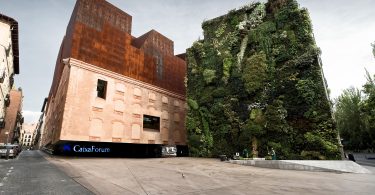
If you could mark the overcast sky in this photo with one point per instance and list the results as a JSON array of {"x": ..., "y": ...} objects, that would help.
[{"x": 344, "y": 30}]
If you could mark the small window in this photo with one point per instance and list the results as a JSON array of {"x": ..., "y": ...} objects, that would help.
[
  {"x": 101, "y": 89},
  {"x": 151, "y": 122}
]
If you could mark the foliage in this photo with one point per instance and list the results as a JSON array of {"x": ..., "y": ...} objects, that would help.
[
  {"x": 254, "y": 73},
  {"x": 209, "y": 75},
  {"x": 368, "y": 110},
  {"x": 348, "y": 117},
  {"x": 355, "y": 116},
  {"x": 255, "y": 82}
]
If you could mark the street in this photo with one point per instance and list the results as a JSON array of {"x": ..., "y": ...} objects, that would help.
[
  {"x": 35, "y": 172},
  {"x": 31, "y": 173},
  {"x": 362, "y": 159}
]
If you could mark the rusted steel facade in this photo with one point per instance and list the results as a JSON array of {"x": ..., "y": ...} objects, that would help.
[{"x": 99, "y": 33}]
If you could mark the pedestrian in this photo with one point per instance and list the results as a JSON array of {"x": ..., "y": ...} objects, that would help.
[
  {"x": 245, "y": 153},
  {"x": 7, "y": 153},
  {"x": 273, "y": 154},
  {"x": 351, "y": 157}
]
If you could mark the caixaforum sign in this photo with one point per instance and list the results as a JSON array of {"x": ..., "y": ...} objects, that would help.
[
  {"x": 78, "y": 148},
  {"x": 85, "y": 149},
  {"x": 104, "y": 149}
]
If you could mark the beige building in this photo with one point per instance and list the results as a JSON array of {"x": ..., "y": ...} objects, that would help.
[
  {"x": 121, "y": 115},
  {"x": 39, "y": 134},
  {"x": 27, "y": 134},
  {"x": 9, "y": 62}
]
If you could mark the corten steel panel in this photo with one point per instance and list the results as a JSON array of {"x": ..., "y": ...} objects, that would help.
[
  {"x": 153, "y": 42},
  {"x": 94, "y": 13},
  {"x": 99, "y": 34}
]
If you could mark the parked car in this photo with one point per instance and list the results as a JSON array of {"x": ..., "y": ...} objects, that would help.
[
  {"x": 13, "y": 151},
  {"x": 18, "y": 149}
]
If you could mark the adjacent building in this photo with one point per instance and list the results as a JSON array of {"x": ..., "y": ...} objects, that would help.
[
  {"x": 113, "y": 90},
  {"x": 27, "y": 135},
  {"x": 9, "y": 62},
  {"x": 40, "y": 135},
  {"x": 13, "y": 119}
]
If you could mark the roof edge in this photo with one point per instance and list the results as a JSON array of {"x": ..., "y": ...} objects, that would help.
[{"x": 15, "y": 45}]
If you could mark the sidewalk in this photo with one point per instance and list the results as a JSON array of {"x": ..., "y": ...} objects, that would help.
[{"x": 31, "y": 173}]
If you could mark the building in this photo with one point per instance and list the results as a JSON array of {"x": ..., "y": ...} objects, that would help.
[
  {"x": 27, "y": 135},
  {"x": 13, "y": 119},
  {"x": 9, "y": 62},
  {"x": 110, "y": 87},
  {"x": 40, "y": 134}
]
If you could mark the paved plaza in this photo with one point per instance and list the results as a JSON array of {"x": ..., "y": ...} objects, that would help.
[
  {"x": 35, "y": 172},
  {"x": 204, "y": 176}
]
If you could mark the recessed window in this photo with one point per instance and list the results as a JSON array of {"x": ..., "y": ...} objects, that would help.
[
  {"x": 101, "y": 88},
  {"x": 151, "y": 122}
]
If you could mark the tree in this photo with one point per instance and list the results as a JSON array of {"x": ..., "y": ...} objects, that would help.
[
  {"x": 368, "y": 109},
  {"x": 348, "y": 117}
]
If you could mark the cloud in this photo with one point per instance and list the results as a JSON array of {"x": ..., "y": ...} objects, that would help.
[{"x": 31, "y": 116}]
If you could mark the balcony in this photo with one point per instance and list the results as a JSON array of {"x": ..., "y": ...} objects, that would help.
[
  {"x": 2, "y": 123},
  {"x": 7, "y": 100}
]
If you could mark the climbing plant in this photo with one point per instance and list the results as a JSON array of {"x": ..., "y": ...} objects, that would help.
[{"x": 255, "y": 82}]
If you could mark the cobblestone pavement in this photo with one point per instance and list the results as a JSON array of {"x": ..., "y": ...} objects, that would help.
[
  {"x": 31, "y": 173},
  {"x": 203, "y": 176}
]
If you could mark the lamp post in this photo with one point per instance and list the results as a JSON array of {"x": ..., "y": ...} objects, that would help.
[
  {"x": 6, "y": 143},
  {"x": 7, "y": 133}
]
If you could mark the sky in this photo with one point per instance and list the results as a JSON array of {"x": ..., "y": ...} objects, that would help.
[{"x": 343, "y": 29}]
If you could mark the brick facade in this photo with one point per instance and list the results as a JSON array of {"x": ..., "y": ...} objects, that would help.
[{"x": 13, "y": 118}]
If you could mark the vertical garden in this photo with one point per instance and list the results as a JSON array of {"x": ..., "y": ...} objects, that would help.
[{"x": 255, "y": 82}]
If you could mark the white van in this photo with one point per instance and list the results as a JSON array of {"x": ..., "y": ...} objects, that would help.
[{"x": 168, "y": 151}]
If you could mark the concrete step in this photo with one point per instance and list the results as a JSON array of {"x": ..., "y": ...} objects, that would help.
[{"x": 340, "y": 166}]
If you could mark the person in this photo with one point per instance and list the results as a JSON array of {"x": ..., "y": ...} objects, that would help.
[
  {"x": 351, "y": 157},
  {"x": 273, "y": 154},
  {"x": 245, "y": 153},
  {"x": 7, "y": 153}
]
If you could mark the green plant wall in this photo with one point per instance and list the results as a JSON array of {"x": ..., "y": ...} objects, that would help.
[{"x": 255, "y": 82}]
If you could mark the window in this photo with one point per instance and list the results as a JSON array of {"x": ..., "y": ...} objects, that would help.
[
  {"x": 151, "y": 122},
  {"x": 101, "y": 89},
  {"x": 29, "y": 136}
]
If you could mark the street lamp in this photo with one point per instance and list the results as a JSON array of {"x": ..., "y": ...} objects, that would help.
[
  {"x": 7, "y": 133},
  {"x": 7, "y": 152}
]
